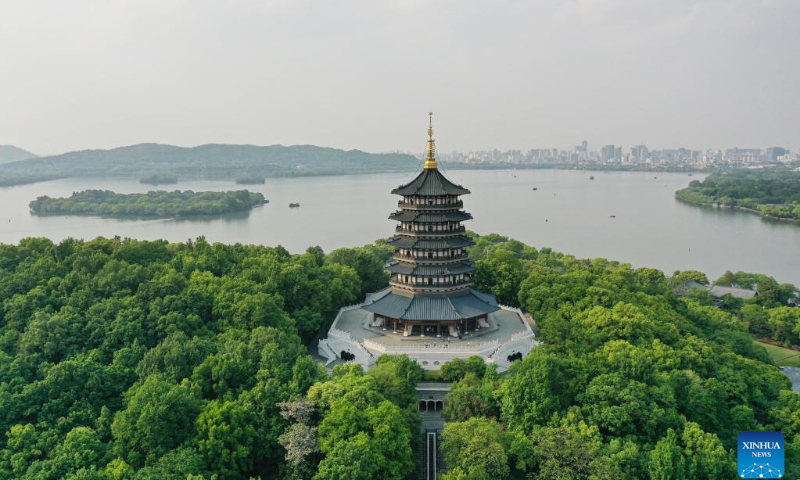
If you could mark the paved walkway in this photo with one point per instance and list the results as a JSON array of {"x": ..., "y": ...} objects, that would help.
[
  {"x": 431, "y": 420},
  {"x": 794, "y": 375}
]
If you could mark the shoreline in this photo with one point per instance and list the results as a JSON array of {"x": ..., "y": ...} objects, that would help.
[
  {"x": 447, "y": 166},
  {"x": 737, "y": 207}
]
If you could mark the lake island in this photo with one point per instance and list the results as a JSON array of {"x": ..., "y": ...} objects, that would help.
[{"x": 159, "y": 204}]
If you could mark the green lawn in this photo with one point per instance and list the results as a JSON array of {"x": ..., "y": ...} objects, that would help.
[{"x": 782, "y": 356}]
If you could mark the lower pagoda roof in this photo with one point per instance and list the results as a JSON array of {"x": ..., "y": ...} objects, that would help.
[
  {"x": 415, "y": 242},
  {"x": 407, "y": 268},
  {"x": 395, "y": 304}
]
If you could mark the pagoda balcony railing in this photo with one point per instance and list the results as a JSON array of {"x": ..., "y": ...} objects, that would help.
[
  {"x": 432, "y": 233},
  {"x": 424, "y": 206},
  {"x": 433, "y": 346},
  {"x": 421, "y": 259},
  {"x": 436, "y": 287}
]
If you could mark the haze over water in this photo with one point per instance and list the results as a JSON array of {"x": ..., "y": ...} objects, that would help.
[{"x": 568, "y": 212}]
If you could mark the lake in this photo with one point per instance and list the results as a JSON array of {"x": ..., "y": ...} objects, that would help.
[{"x": 568, "y": 212}]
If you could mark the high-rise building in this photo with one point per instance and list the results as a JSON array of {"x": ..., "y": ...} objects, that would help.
[
  {"x": 607, "y": 153},
  {"x": 773, "y": 153}
]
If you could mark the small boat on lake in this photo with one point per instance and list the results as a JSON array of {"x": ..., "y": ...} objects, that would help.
[
  {"x": 591, "y": 178},
  {"x": 534, "y": 189},
  {"x": 294, "y": 205},
  {"x": 613, "y": 216}
]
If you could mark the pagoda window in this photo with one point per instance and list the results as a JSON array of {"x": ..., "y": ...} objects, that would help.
[
  {"x": 430, "y": 202},
  {"x": 430, "y": 281}
]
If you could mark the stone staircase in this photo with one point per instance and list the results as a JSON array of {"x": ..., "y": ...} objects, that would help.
[{"x": 324, "y": 349}]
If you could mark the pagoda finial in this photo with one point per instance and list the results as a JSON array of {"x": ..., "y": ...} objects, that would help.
[{"x": 430, "y": 151}]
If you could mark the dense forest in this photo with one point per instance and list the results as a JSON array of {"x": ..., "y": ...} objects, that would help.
[
  {"x": 133, "y": 360},
  {"x": 147, "y": 360},
  {"x": 774, "y": 193},
  {"x": 221, "y": 162},
  {"x": 631, "y": 381},
  {"x": 151, "y": 204}
]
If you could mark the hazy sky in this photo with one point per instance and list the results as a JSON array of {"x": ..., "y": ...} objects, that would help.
[{"x": 363, "y": 74}]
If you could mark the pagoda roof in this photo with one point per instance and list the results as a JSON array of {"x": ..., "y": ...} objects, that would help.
[
  {"x": 430, "y": 182},
  {"x": 407, "y": 268},
  {"x": 394, "y": 304},
  {"x": 416, "y": 242},
  {"x": 412, "y": 216}
]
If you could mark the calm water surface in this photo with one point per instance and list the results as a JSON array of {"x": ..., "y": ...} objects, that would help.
[{"x": 568, "y": 212}]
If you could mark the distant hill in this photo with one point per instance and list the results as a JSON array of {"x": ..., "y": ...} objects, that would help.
[
  {"x": 223, "y": 162},
  {"x": 10, "y": 153}
]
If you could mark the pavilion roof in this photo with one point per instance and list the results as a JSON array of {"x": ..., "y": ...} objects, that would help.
[
  {"x": 394, "y": 304},
  {"x": 414, "y": 242},
  {"x": 430, "y": 182},
  {"x": 408, "y": 268}
]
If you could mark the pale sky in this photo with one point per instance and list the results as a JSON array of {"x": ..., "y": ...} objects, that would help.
[{"x": 363, "y": 74}]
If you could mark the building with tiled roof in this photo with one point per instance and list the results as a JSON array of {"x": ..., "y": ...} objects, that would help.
[{"x": 430, "y": 301}]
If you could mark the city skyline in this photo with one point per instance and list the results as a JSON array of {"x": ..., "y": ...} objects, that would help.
[{"x": 363, "y": 75}]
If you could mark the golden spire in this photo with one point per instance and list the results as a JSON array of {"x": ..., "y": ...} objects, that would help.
[{"x": 430, "y": 151}]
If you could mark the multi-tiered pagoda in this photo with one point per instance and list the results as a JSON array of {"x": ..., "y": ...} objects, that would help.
[{"x": 430, "y": 290}]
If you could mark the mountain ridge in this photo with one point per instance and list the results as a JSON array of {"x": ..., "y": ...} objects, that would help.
[
  {"x": 11, "y": 153},
  {"x": 210, "y": 161}
]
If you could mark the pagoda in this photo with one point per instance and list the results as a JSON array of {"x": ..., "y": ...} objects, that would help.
[{"x": 430, "y": 292}]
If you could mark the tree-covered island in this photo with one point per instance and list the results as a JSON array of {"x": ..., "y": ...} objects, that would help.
[
  {"x": 251, "y": 181},
  {"x": 159, "y": 180},
  {"x": 773, "y": 193},
  {"x": 160, "y": 204},
  {"x": 148, "y": 360}
]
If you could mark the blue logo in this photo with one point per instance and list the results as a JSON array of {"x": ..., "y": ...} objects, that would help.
[{"x": 761, "y": 455}]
